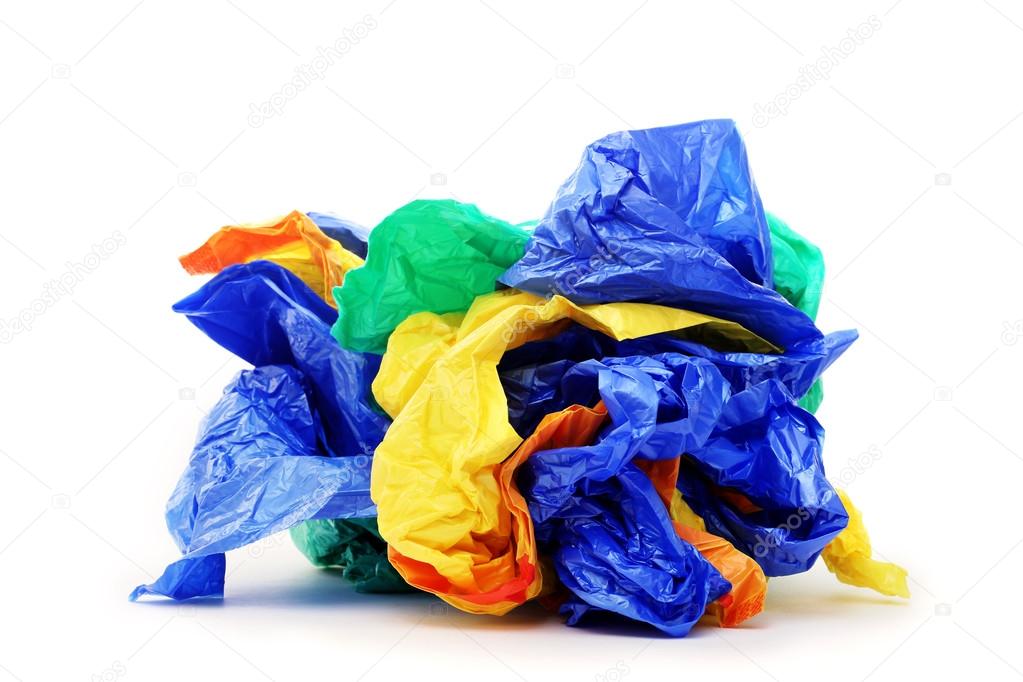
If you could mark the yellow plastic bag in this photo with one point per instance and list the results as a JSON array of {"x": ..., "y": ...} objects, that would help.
[
  {"x": 434, "y": 476},
  {"x": 848, "y": 557}
]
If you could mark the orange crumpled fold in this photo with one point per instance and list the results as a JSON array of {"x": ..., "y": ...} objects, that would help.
[{"x": 294, "y": 242}]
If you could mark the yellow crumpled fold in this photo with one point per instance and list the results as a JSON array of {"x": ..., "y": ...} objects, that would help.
[
  {"x": 848, "y": 556},
  {"x": 433, "y": 477}
]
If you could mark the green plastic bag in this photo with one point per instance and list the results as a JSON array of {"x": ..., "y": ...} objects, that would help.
[
  {"x": 354, "y": 546},
  {"x": 432, "y": 256},
  {"x": 799, "y": 277}
]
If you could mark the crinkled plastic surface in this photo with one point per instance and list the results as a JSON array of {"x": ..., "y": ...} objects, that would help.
[
  {"x": 749, "y": 584},
  {"x": 798, "y": 267},
  {"x": 574, "y": 425},
  {"x": 531, "y": 374},
  {"x": 434, "y": 474},
  {"x": 754, "y": 444},
  {"x": 355, "y": 547},
  {"x": 351, "y": 236},
  {"x": 293, "y": 242},
  {"x": 667, "y": 215},
  {"x": 759, "y": 481},
  {"x": 434, "y": 256},
  {"x": 265, "y": 315},
  {"x": 799, "y": 277},
  {"x": 256, "y": 469},
  {"x": 848, "y": 556},
  {"x": 290, "y": 440}
]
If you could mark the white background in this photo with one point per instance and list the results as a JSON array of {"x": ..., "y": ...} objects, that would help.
[{"x": 135, "y": 119}]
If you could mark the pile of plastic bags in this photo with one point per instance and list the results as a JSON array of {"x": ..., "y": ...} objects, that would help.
[{"x": 609, "y": 410}]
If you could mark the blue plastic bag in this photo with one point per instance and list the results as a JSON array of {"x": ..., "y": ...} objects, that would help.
[
  {"x": 264, "y": 314},
  {"x": 256, "y": 469},
  {"x": 751, "y": 458},
  {"x": 532, "y": 373},
  {"x": 609, "y": 534},
  {"x": 667, "y": 215},
  {"x": 290, "y": 440}
]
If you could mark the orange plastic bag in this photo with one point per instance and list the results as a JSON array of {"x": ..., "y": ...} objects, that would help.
[{"x": 294, "y": 242}]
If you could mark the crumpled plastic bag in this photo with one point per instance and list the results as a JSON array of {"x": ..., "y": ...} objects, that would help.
[
  {"x": 434, "y": 473},
  {"x": 666, "y": 468},
  {"x": 256, "y": 469},
  {"x": 531, "y": 373},
  {"x": 355, "y": 547},
  {"x": 755, "y": 445},
  {"x": 293, "y": 242},
  {"x": 667, "y": 215},
  {"x": 848, "y": 556},
  {"x": 798, "y": 267},
  {"x": 799, "y": 277},
  {"x": 429, "y": 255},
  {"x": 265, "y": 315},
  {"x": 291, "y": 440}
]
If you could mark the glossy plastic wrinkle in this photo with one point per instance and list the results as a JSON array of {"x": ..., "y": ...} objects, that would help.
[
  {"x": 265, "y": 315},
  {"x": 531, "y": 374},
  {"x": 435, "y": 473},
  {"x": 434, "y": 256},
  {"x": 256, "y": 469},
  {"x": 294, "y": 242},
  {"x": 669, "y": 216}
]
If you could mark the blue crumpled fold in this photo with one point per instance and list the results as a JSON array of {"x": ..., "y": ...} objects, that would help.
[
  {"x": 352, "y": 236},
  {"x": 767, "y": 449},
  {"x": 531, "y": 374},
  {"x": 289, "y": 441},
  {"x": 265, "y": 315},
  {"x": 256, "y": 469},
  {"x": 666, "y": 215},
  {"x": 751, "y": 442},
  {"x": 607, "y": 531}
]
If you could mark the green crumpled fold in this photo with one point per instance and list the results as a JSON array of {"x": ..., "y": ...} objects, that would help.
[
  {"x": 429, "y": 255},
  {"x": 354, "y": 546},
  {"x": 799, "y": 277}
]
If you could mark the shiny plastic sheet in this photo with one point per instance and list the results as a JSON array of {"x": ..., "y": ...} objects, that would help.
[
  {"x": 848, "y": 556},
  {"x": 799, "y": 277},
  {"x": 532, "y": 373},
  {"x": 265, "y": 315},
  {"x": 434, "y": 256},
  {"x": 742, "y": 430},
  {"x": 293, "y": 242},
  {"x": 256, "y": 469},
  {"x": 798, "y": 267},
  {"x": 759, "y": 481},
  {"x": 667, "y": 215},
  {"x": 608, "y": 529}
]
